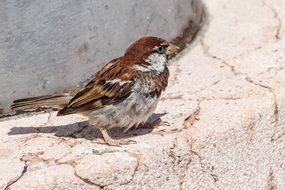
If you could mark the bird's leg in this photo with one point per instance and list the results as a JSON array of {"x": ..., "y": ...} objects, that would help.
[
  {"x": 51, "y": 116},
  {"x": 113, "y": 142}
]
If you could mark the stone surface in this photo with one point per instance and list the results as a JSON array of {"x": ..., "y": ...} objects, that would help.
[
  {"x": 222, "y": 119},
  {"x": 50, "y": 46}
]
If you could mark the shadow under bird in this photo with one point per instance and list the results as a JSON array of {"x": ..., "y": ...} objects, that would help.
[{"x": 123, "y": 94}]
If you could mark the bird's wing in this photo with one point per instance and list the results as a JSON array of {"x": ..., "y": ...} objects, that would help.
[{"x": 111, "y": 85}]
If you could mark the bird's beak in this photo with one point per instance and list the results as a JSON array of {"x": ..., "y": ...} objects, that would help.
[{"x": 171, "y": 49}]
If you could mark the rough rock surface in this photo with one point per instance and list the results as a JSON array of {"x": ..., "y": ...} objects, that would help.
[{"x": 222, "y": 120}]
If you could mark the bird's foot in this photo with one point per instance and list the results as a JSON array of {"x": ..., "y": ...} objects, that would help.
[{"x": 112, "y": 142}]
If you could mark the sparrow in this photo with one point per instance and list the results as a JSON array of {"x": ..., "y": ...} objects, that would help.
[{"x": 124, "y": 93}]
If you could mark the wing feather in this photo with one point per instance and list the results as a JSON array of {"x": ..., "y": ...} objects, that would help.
[{"x": 109, "y": 86}]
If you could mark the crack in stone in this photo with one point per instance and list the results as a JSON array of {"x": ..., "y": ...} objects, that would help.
[
  {"x": 204, "y": 169},
  {"x": 275, "y": 16},
  {"x": 206, "y": 49},
  {"x": 183, "y": 176},
  {"x": 249, "y": 80},
  {"x": 136, "y": 168},
  {"x": 271, "y": 181},
  {"x": 84, "y": 180},
  {"x": 25, "y": 169},
  {"x": 275, "y": 104},
  {"x": 87, "y": 181},
  {"x": 134, "y": 155},
  {"x": 14, "y": 181},
  {"x": 31, "y": 158},
  {"x": 137, "y": 156},
  {"x": 214, "y": 177}
]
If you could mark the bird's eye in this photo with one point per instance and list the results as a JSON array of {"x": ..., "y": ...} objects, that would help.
[{"x": 160, "y": 49}]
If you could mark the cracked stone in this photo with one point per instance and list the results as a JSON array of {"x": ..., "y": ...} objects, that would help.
[
  {"x": 54, "y": 177},
  {"x": 11, "y": 169},
  {"x": 45, "y": 148},
  {"x": 229, "y": 85},
  {"x": 107, "y": 169}
]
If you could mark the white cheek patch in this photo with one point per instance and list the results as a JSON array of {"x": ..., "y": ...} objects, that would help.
[{"x": 157, "y": 63}]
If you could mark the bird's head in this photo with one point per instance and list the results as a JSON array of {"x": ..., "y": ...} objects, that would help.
[{"x": 149, "y": 54}]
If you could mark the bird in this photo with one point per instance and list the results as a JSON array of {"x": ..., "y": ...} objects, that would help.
[{"x": 123, "y": 94}]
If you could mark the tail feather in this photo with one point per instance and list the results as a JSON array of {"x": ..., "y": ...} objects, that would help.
[{"x": 48, "y": 101}]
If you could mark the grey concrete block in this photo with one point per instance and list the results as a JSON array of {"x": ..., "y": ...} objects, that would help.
[{"x": 50, "y": 46}]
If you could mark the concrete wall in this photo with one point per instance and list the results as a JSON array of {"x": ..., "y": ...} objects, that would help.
[{"x": 49, "y": 46}]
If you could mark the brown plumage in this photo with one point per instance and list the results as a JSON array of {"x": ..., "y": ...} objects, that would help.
[
  {"x": 98, "y": 92},
  {"x": 124, "y": 92}
]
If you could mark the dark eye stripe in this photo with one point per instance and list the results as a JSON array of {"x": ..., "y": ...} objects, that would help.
[{"x": 161, "y": 48}]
